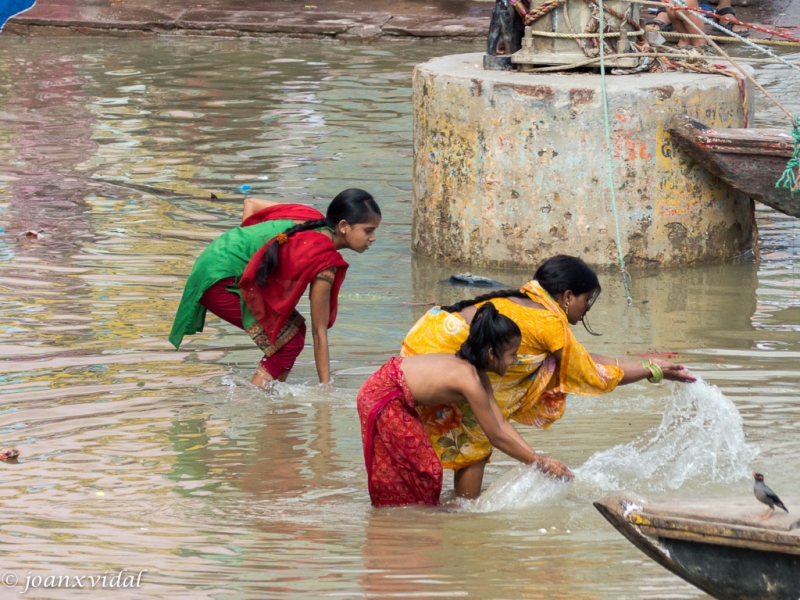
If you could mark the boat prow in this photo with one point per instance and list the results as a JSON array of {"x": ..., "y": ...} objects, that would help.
[
  {"x": 749, "y": 160},
  {"x": 720, "y": 545}
]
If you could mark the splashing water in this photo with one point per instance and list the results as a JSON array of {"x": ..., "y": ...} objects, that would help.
[
  {"x": 700, "y": 440},
  {"x": 520, "y": 487}
]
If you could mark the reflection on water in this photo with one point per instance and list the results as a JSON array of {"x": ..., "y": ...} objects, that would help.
[{"x": 138, "y": 457}]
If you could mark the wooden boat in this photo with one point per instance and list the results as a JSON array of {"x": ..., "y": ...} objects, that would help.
[
  {"x": 749, "y": 160},
  {"x": 720, "y": 545}
]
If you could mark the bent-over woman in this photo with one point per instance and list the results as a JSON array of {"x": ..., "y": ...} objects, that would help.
[
  {"x": 254, "y": 275},
  {"x": 550, "y": 365},
  {"x": 402, "y": 465}
]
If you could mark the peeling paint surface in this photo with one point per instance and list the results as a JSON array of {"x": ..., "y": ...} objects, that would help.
[{"x": 510, "y": 168}]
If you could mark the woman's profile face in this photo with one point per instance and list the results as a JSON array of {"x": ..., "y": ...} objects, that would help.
[{"x": 578, "y": 306}]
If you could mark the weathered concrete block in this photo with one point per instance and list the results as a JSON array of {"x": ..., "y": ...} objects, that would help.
[{"x": 511, "y": 168}]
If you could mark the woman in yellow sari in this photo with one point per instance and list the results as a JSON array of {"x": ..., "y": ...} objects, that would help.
[{"x": 551, "y": 363}]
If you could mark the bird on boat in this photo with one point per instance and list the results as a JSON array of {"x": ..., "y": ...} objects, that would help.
[{"x": 766, "y": 496}]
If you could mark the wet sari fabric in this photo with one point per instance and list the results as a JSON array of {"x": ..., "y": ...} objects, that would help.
[
  {"x": 402, "y": 466},
  {"x": 532, "y": 392}
]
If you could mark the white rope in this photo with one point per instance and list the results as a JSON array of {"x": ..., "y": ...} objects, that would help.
[{"x": 731, "y": 33}]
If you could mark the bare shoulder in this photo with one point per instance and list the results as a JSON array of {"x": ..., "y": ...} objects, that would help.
[
  {"x": 439, "y": 378},
  {"x": 464, "y": 376}
]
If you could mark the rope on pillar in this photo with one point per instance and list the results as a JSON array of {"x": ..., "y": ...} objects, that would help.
[{"x": 610, "y": 157}]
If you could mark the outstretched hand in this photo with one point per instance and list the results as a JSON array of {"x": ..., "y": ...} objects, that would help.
[
  {"x": 675, "y": 372},
  {"x": 553, "y": 468}
]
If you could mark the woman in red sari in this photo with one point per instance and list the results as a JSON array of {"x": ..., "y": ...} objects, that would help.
[
  {"x": 254, "y": 275},
  {"x": 402, "y": 466}
]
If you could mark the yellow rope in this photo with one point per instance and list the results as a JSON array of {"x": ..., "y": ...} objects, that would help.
[
  {"x": 683, "y": 55},
  {"x": 722, "y": 38},
  {"x": 613, "y": 34}
]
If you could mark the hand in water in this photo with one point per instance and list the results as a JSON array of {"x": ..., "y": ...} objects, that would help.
[
  {"x": 327, "y": 386},
  {"x": 553, "y": 468},
  {"x": 675, "y": 372}
]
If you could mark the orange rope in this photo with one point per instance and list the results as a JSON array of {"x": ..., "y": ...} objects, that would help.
[
  {"x": 730, "y": 19},
  {"x": 541, "y": 10}
]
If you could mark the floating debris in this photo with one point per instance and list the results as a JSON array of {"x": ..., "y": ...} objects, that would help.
[
  {"x": 9, "y": 453},
  {"x": 473, "y": 280}
]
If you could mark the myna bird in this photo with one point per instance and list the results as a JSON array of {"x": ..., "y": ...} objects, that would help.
[{"x": 766, "y": 496}]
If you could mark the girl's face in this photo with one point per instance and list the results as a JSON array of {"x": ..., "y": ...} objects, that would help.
[
  {"x": 359, "y": 237},
  {"x": 500, "y": 364}
]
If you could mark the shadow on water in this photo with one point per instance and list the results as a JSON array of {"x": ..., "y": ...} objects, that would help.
[{"x": 139, "y": 457}]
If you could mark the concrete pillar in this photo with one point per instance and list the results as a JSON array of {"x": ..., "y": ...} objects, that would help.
[{"x": 511, "y": 168}]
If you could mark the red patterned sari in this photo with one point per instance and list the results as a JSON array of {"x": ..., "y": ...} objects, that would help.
[{"x": 402, "y": 466}]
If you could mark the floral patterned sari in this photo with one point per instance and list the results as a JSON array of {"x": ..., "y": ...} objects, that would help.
[{"x": 532, "y": 392}]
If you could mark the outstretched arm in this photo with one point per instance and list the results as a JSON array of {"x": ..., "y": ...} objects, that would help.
[
  {"x": 634, "y": 371},
  {"x": 502, "y": 434},
  {"x": 320, "y": 297}
]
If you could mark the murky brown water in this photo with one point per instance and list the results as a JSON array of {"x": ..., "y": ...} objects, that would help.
[{"x": 138, "y": 457}]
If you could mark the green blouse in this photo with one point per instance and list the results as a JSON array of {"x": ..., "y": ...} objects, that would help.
[{"x": 226, "y": 256}]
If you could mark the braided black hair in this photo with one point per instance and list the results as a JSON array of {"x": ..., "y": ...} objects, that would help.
[
  {"x": 556, "y": 275},
  {"x": 489, "y": 330},
  {"x": 352, "y": 205},
  {"x": 459, "y": 306}
]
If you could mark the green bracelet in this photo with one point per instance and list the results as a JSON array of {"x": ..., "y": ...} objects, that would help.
[{"x": 655, "y": 371}]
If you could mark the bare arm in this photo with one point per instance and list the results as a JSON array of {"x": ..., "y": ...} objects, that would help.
[
  {"x": 502, "y": 434},
  {"x": 634, "y": 371},
  {"x": 253, "y": 205},
  {"x": 498, "y": 414},
  {"x": 320, "y": 297}
]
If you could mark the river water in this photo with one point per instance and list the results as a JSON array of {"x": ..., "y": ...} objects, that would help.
[{"x": 170, "y": 465}]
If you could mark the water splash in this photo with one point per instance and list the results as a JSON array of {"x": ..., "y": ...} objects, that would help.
[
  {"x": 700, "y": 440},
  {"x": 520, "y": 487}
]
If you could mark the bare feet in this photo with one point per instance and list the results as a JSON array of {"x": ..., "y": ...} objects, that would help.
[{"x": 262, "y": 378}]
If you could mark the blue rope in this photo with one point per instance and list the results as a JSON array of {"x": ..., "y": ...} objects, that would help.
[{"x": 610, "y": 156}]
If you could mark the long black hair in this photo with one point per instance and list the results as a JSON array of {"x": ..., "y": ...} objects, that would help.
[
  {"x": 352, "y": 205},
  {"x": 561, "y": 273},
  {"x": 556, "y": 275},
  {"x": 489, "y": 330}
]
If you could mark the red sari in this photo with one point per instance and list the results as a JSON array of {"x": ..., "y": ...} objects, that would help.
[
  {"x": 402, "y": 466},
  {"x": 300, "y": 259},
  {"x": 295, "y": 212}
]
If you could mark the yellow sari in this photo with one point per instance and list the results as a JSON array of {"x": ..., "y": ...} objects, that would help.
[{"x": 533, "y": 391}]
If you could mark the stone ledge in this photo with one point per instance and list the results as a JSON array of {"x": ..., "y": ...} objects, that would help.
[{"x": 238, "y": 20}]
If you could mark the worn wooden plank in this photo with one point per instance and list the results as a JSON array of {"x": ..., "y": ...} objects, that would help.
[
  {"x": 749, "y": 160},
  {"x": 716, "y": 544}
]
